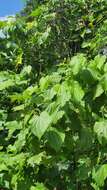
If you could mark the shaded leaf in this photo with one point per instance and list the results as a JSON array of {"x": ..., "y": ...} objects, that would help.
[{"x": 55, "y": 138}]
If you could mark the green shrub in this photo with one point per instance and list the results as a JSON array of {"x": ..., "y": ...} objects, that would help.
[{"x": 53, "y": 97}]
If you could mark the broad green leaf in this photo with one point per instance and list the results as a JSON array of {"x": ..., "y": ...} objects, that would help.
[
  {"x": 86, "y": 139},
  {"x": 50, "y": 94},
  {"x": 16, "y": 97},
  {"x": 100, "y": 175},
  {"x": 99, "y": 61},
  {"x": 39, "y": 124},
  {"x": 3, "y": 167},
  {"x": 77, "y": 62},
  {"x": 76, "y": 91},
  {"x": 6, "y": 84},
  {"x": 57, "y": 115},
  {"x": 4, "y": 76},
  {"x": 29, "y": 91},
  {"x": 94, "y": 74},
  {"x": 55, "y": 138},
  {"x": 88, "y": 76},
  {"x": 86, "y": 44},
  {"x": 95, "y": 186},
  {"x": 18, "y": 108},
  {"x": 105, "y": 67},
  {"x": 98, "y": 91},
  {"x": 104, "y": 82},
  {"x": 39, "y": 186},
  {"x": 44, "y": 83},
  {"x": 64, "y": 94},
  {"x": 100, "y": 128},
  {"x": 36, "y": 159}
]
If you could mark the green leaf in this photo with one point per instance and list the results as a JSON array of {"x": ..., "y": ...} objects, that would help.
[
  {"x": 18, "y": 108},
  {"x": 6, "y": 84},
  {"x": 95, "y": 186},
  {"x": 3, "y": 167},
  {"x": 86, "y": 44},
  {"x": 100, "y": 175},
  {"x": 64, "y": 94},
  {"x": 13, "y": 126},
  {"x": 39, "y": 124},
  {"x": 57, "y": 115},
  {"x": 20, "y": 142},
  {"x": 77, "y": 91},
  {"x": 88, "y": 76},
  {"x": 55, "y": 138},
  {"x": 84, "y": 168},
  {"x": 86, "y": 139},
  {"x": 104, "y": 82},
  {"x": 44, "y": 83},
  {"x": 16, "y": 161},
  {"x": 38, "y": 11},
  {"x": 77, "y": 62},
  {"x": 26, "y": 70},
  {"x": 99, "y": 61},
  {"x": 98, "y": 91},
  {"x": 36, "y": 159},
  {"x": 43, "y": 37},
  {"x": 100, "y": 128},
  {"x": 39, "y": 186}
]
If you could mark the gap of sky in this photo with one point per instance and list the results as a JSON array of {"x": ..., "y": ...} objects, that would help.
[{"x": 10, "y": 7}]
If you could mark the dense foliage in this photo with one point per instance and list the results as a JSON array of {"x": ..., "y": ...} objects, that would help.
[{"x": 53, "y": 96}]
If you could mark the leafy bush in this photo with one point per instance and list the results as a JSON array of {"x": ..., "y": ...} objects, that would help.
[{"x": 53, "y": 97}]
